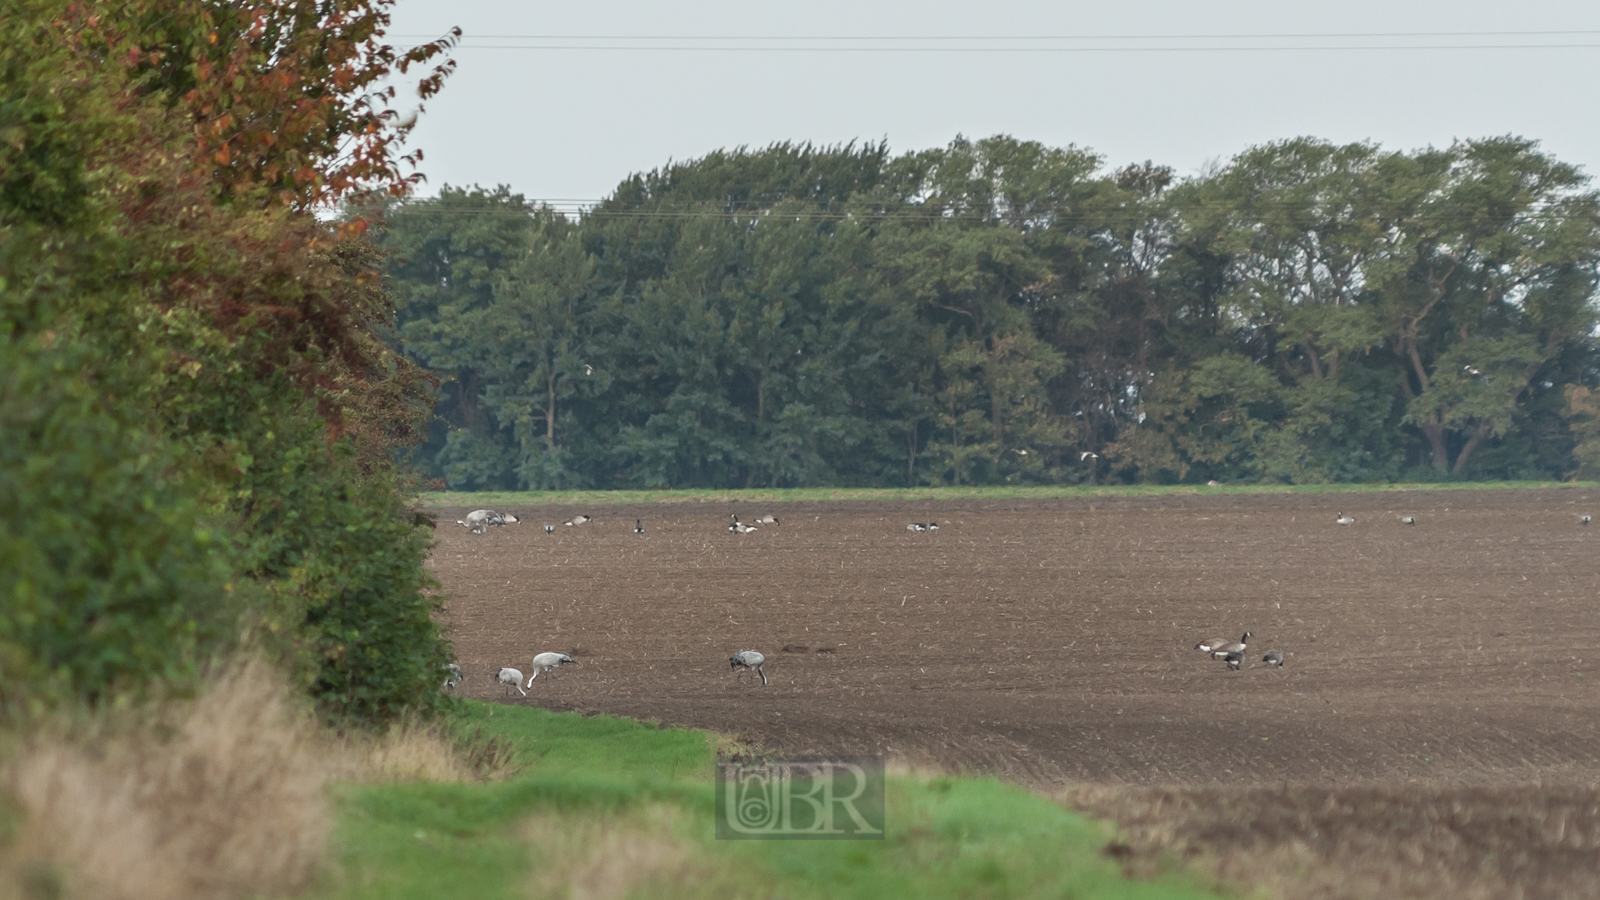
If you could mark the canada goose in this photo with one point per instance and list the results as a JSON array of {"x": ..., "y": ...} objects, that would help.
[
  {"x": 579, "y": 520},
  {"x": 1408, "y": 520},
  {"x": 638, "y": 526},
  {"x": 1273, "y": 658},
  {"x": 742, "y": 528},
  {"x": 1345, "y": 520},
  {"x": 1583, "y": 519},
  {"x": 1234, "y": 659},
  {"x": 767, "y": 520},
  {"x": 549, "y": 529},
  {"x": 1209, "y": 644},
  {"x": 1221, "y": 651}
]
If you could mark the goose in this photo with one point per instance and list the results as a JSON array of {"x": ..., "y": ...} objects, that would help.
[
  {"x": 923, "y": 526},
  {"x": 1221, "y": 651},
  {"x": 1234, "y": 660},
  {"x": 767, "y": 520},
  {"x": 452, "y": 676},
  {"x": 503, "y": 519},
  {"x": 579, "y": 520},
  {"x": 638, "y": 526},
  {"x": 511, "y": 678},
  {"x": 1345, "y": 520},
  {"x": 548, "y": 662},
  {"x": 1583, "y": 519},
  {"x": 747, "y": 659},
  {"x": 742, "y": 528},
  {"x": 1273, "y": 658},
  {"x": 1209, "y": 644},
  {"x": 1408, "y": 520},
  {"x": 478, "y": 521},
  {"x": 549, "y": 528}
]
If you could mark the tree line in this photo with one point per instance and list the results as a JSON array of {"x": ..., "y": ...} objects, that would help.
[{"x": 1000, "y": 311}]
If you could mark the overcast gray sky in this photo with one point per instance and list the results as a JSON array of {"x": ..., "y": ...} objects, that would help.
[{"x": 571, "y": 123}]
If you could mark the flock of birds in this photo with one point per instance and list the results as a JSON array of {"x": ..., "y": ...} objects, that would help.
[{"x": 1232, "y": 653}]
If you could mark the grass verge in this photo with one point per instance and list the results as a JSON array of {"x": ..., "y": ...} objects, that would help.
[
  {"x": 612, "y": 808},
  {"x": 438, "y": 499}
]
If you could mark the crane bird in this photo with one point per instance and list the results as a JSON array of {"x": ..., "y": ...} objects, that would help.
[
  {"x": 747, "y": 659},
  {"x": 511, "y": 678},
  {"x": 579, "y": 520},
  {"x": 479, "y": 520},
  {"x": 548, "y": 662},
  {"x": 1221, "y": 651},
  {"x": 452, "y": 676},
  {"x": 1345, "y": 520}
]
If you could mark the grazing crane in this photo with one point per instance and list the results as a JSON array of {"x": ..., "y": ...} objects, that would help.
[
  {"x": 747, "y": 659},
  {"x": 1274, "y": 658},
  {"x": 1221, "y": 651},
  {"x": 638, "y": 526},
  {"x": 1408, "y": 520},
  {"x": 1345, "y": 520},
  {"x": 478, "y": 521},
  {"x": 549, "y": 528},
  {"x": 548, "y": 662},
  {"x": 1234, "y": 660},
  {"x": 511, "y": 678},
  {"x": 767, "y": 520},
  {"x": 1583, "y": 519},
  {"x": 452, "y": 676},
  {"x": 579, "y": 520}
]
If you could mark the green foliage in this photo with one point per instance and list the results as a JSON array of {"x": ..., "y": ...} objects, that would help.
[
  {"x": 197, "y": 407},
  {"x": 991, "y": 311}
]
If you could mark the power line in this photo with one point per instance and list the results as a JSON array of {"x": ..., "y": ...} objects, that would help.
[
  {"x": 1096, "y": 50},
  {"x": 1002, "y": 37}
]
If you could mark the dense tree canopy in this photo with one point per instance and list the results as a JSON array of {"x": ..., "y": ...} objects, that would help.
[{"x": 1002, "y": 311}]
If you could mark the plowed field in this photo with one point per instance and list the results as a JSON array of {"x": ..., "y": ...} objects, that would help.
[{"x": 1050, "y": 640}]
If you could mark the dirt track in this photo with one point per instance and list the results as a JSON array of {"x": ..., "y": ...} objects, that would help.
[{"x": 1050, "y": 640}]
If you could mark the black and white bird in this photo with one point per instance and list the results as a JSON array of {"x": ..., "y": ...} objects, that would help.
[
  {"x": 1209, "y": 644},
  {"x": 1583, "y": 519},
  {"x": 579, "y": 520},
  {"x": 1234, "y": 660},
  {"x": 548, "y": 662},
  {"x": 747, "y": 659},
  {"x": 1273, "y": 658},
  {"x": 1345, "y": 520},
  {"x": 923, "y": 526},
  {"x": 1408, "y": 520},
  {"x": 511, "y": 678},
  {"x": 767, "y": 520},
  {"x": 503, "y": 519},
  {"x": 1221, "y": 651},
  {"x": 549, "y": 528},
  {"x": 1086, "y": 455},
  {"x": 452, "y": 676},
  {"x": 638, "y": 526},
  {"x": 740, "y": 527}
]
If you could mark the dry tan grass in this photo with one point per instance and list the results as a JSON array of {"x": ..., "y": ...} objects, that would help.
[
  {"x": 638, "y": 853},
  {"x": 224, "y": 796},
  {"x": 1329, "y": 843},
  {"x": 221, "y": 797}
]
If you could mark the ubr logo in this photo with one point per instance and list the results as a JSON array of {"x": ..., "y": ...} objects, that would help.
[{"x": 837, "y": 798}]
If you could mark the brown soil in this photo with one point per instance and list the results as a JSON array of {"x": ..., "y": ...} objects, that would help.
[{"x": 1050, "y": 641}]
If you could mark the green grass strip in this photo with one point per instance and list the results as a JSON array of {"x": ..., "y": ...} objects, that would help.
[
  {"x": 436, "y": 499},
  {"x": 615, "y": 807}
]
